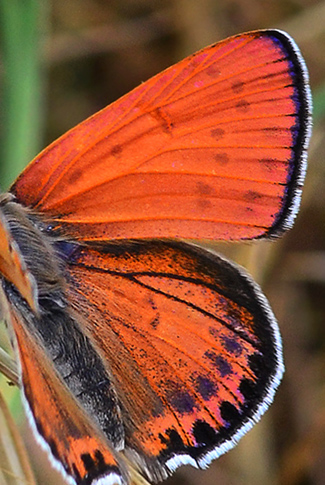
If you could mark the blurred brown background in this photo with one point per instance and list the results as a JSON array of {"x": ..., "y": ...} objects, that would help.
[{"x": 94, "y": 51}]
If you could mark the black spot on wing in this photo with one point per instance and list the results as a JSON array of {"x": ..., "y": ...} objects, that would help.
[
  {"x": 217, "y": 133},
  {"x": 203, "y": 433},
  {"x": 232, "y": 345},
  {"x": 224, "y": 368},
  {"x": 178, "y": 397},
  {"x": 229, "y": 413},
  {"x": 205, "y": 387}
]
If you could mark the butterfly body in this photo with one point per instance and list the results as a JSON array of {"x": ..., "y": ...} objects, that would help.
[{"x": 135, "y": 346}]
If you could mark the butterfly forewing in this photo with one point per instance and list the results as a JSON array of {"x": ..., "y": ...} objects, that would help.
[{"x": 211, "y": 148}]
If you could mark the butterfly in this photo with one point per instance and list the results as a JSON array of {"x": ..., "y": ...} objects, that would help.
[{"x": 140, "y": 351}]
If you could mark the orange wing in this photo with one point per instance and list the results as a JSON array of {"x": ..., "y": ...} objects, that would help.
[
  {"x": 13, "y": 267},
  {"x": 213, "y": 147},
  {"x": 191, "y": 342},
  {"x": 73, "y": 443}
]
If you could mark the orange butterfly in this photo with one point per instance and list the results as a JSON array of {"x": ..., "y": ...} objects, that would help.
[{"x": 135, "y": 346}]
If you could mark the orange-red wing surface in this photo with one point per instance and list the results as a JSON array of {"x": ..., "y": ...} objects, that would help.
[
  {"x": 213, "y": 147},
  {"x": 13, "y": 267},
  {"x": 191, "y": 342},
  {"x": 76, "y": 447}
]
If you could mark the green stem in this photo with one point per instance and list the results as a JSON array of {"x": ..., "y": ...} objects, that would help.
[{"x": 20, "y": 32}]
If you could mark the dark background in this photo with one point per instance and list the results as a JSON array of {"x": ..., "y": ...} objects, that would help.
[{"x": 87, "y": 54}]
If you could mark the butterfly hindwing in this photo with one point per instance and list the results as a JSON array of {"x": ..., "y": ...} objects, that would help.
[
  {"x": 213, "y": 147},
  {"x": 61, "y": 426},
  {"x": 191, "y": 341}
]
